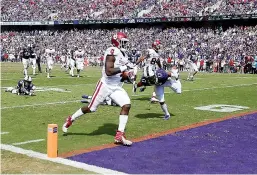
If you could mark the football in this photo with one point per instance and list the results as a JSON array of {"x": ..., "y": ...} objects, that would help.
[{"x": 127, "y": 76}]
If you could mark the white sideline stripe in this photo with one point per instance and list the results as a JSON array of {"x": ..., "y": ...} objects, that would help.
[
  {"x": 4, "y": 133},
  {"x": 202, "y": 89},
  {"x": 142, "y": 94},
  {"x": 40, "y": 104},
  {"x": 63, "y": 161},
  {"x": 30, "y": 141},
  {"x": 90, "y": 84}
]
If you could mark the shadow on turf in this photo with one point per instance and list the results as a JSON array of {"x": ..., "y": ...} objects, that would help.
[
  {"x": 107, "y": 128},
  {"x": 142, "y": 98},
  {"x": 150, "y": 115}
]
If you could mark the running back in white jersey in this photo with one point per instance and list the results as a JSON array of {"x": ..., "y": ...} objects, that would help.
[
  {"x": 49, "y": 54},
  {"x": 79, "y": 55},
  {"x": 121, "y": 58},
  {"x": 152, "y": 57}
]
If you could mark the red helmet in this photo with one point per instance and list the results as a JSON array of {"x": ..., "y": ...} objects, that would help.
[
  {"x": 119, "y": 40},
  {"x": 157, "y": 44}
]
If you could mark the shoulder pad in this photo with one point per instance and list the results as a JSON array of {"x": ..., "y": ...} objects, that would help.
[{"x": 112, "y": 51}]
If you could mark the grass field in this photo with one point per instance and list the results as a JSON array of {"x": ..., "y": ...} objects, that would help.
[{"x": 26, "y": 118}]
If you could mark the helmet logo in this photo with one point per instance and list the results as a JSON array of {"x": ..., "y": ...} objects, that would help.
[{"x": 115, "y": 36}]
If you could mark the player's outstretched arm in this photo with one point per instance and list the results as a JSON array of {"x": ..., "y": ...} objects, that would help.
[
  {"x": 109, "y": 66},
  {"x": 142, "y": 58}
]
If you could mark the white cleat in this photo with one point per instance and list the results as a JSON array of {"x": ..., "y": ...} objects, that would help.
[
  {"x": 120, "y": 138},
  {"x": 154, "y": 100},
  {"x": 64, "y": 129}
]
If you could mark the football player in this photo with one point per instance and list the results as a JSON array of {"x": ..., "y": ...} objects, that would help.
[
  {"x": 79, "y": 59},
  {"x": 72, "y": 62},
  {"x": 33, "y": 58},
  {"x": 49, "y": 54},
  {"x": 161, "y": 79},
  {"x": 191, "y": 61},
  {"x": 24, "y": 87},
  {"x": 63, "y": 59},
  {"x": 110, "y": 85},
  {"x": 25, "y": 54},
  {"x": 134, "y": 59},
  {"x": 166, "y": 79},
  {"x": 152, "y": 61}
]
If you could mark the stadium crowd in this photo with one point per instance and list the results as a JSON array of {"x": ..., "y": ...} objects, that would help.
[
  {"x": 41, "y": 10},
  {"x": 237, "y": 43}
]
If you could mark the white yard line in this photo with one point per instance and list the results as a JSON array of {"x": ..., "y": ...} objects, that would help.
[
  {"x": 90, "y": 84},
  {"x": 30, "y": 141},
  {"x": 202, "y": 89},
  {"x": 63, "y": 161},
  {"x": 40, "y": 104},
  {"x": 4, "y": 133},
  {"x": 141, "y": 94}
]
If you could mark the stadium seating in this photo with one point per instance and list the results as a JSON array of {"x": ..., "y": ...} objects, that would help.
[{"x": 41, "y": 10}]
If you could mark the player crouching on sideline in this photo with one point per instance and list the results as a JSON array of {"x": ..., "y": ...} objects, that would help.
[
  {"x": 110, "y": 85},
  {"x": 24, "y": 87}
]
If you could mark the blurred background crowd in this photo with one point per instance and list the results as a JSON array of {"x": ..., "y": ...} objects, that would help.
[
  {"x": 233, "y": 49},
  {"x": 41, "y": 10},
  {"x": 235, "y": 46}
]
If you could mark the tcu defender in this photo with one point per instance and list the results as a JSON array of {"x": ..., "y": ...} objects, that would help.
[
  {"x": 25, "y": 54},
  {"x": 50, "y": 53},
  {"x": 166, "y": 79},
  {"x": 79, "y": 59},
  {"x": 152, "y": 60},
  {"x": 110, "y": 85},
  {"x": 134, "y": 58},
  {"x": 24, "y": 87},
  {"x": 191, "y": 61}
]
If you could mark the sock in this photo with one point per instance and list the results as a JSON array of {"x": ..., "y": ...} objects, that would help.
[
  {"x": 189, "y": 75},
  {"x": 77, "y": 114},
  {"x": 72, "y": 74},
  {"x": 25, "y": 72},
  {"x": 165, "y": 109},
  {"x": 154, "y": 94},
  {"x": 122, "y": 122}
]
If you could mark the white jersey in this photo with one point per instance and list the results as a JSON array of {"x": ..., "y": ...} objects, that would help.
[
  {"x": 152, "y": 58},
  {"x": 79, "y": 55},
  {"x": 121, "y": 58},
  {"x": 50, "y": 54}
]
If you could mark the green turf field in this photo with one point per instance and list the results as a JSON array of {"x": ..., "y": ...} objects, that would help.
[{"x": 25, "y": 123}]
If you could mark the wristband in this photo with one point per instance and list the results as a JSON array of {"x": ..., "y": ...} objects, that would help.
[{"x": 123, "y": 68}]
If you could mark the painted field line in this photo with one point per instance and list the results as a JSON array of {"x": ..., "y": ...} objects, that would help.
[
  {"x": 141, "y": 94},
  {"x": 202, "y": 89},
  {"x": 63, "y": 161},
  {"x": 30, "y": 141},
  {"x": 4, "y": 133},
  {"x": 158, "y": 134},
  {"x": 41, "y": 104},
  {"x": 90, "y": 84}
]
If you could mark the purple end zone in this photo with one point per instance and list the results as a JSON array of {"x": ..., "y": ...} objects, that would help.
[{"x": 224, "y": 147}]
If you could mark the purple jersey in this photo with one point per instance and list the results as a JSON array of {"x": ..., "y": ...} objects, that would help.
[{"x": 162, "y": 76}]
